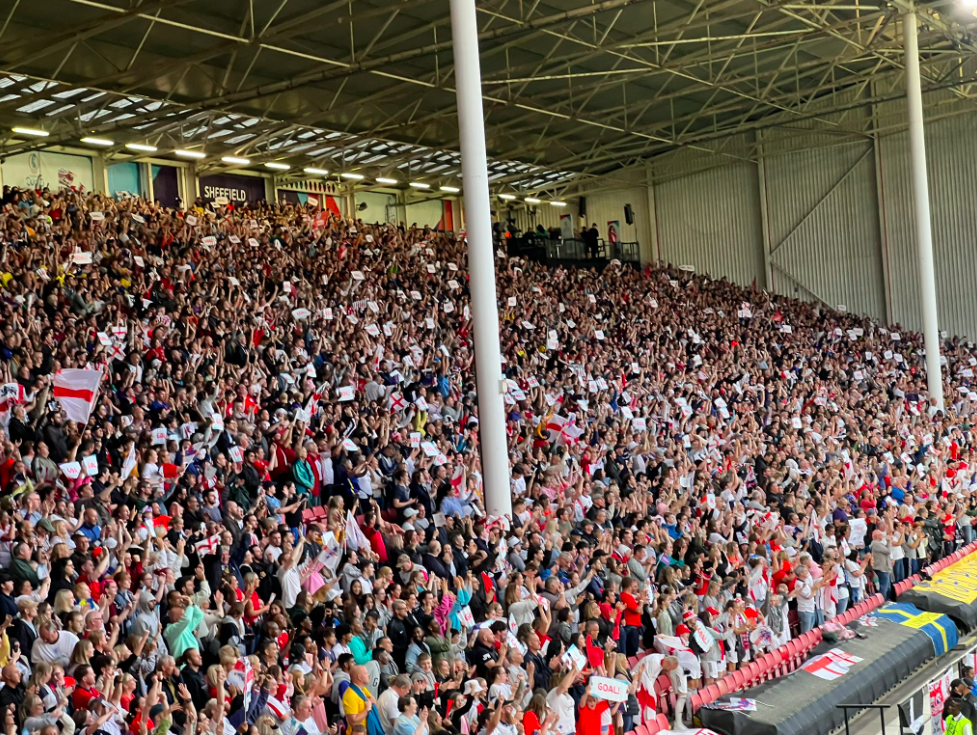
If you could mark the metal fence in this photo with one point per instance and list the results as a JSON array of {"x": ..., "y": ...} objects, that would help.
[{"x": 572, "y": 249}]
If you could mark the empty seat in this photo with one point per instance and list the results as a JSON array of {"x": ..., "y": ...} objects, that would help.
[
  {"x": 723, "y": 687},
  {"x": 752, "y": 673},
  {"x": 663, "y": 722},
  {"x": 696, "y": 701},
  {"x": 739, "y": 679},
  {"x": 710, "y": 694}
]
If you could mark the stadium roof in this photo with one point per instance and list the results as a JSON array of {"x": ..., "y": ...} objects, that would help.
[{"x": 572, "y": 88}]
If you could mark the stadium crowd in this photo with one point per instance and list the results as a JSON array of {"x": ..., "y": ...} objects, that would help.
[{"x": 269, "y": 514}]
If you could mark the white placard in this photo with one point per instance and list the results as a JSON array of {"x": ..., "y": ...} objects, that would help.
[{"x": 613, "y": 690}]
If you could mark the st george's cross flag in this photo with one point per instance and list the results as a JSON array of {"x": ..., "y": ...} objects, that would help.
[
  {"x": 208, "y": 545},
  {"x": 76, "y": 391},
  {"x": 831, "y": 665}
]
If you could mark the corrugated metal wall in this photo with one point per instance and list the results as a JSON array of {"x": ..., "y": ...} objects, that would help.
[
  {"x": 839, "y": 213},
  {"x": 711, "y": 220},
  {"x": 823, "y": 227},
  {"x": 951, "y": 149}
]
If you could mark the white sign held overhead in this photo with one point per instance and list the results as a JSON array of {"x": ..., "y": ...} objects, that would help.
[{"x": 613, "y": 690}]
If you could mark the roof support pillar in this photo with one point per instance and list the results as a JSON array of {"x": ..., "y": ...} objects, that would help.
[
  {"x": 921, "y": 207},
  {"x": 481, "y": 260}
]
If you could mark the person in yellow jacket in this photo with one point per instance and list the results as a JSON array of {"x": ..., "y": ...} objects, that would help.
[{"x": 956, "y": 723}]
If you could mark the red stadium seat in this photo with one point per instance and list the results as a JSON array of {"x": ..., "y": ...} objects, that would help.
[
  {"x": 739, "y": 680},
  {"x": 710, "y": 694},
  {"x": 651, "y": 729},
  {"x": 763, "y": 667},
  {"x": 723, "y": 686},
  {"x": 696, "y": 701},
  {"x": 752, "y": 673},
  {"x": 663, "y": 722},
  {"x": 665, "y": 683}
]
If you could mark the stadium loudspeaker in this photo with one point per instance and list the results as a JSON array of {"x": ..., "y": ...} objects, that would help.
[
  {"x": 628, "y": 214},
  {"x": 583, "y": 206}
]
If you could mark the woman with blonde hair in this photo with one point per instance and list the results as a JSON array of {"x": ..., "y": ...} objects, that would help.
[
  {"x": 34, "y": 717},
  {"x": 43, "y": 615},
  {"x": 128, "y": 683},
  {"x": 266, "y": 725},
  {"x": 60, "y": 551},
  {"x": 216, "y": 682},
  {"x": 64, "y": 602},
  {"x": 80, "y": 656},
  {"x": 228, "y": 658},
  {"x": 102, "y": 642},
  {"x": 40, "y": 682}
]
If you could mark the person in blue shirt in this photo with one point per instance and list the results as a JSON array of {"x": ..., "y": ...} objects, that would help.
[
  {"x": 90, "y": 528},
  {"x": 409, "y": 722}
]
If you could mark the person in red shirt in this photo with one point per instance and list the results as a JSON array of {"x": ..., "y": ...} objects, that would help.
[
  {"x": 537, "y": 720},
  {"x": 85, "y": 692},
  {"x": 631, "y": 631},
  {"x": 591, "y": 712}
]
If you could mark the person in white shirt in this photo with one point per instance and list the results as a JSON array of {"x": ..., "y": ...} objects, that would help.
[
  {"x": 387, "y": 701},
  {"x": 680, "y": 685},
  {"x": 897, "y": 539},
  {"x": 518, "y": 480},
  {"x": 841, "y": 592},
  {"x": 289, "y": 576},
  {"x": 53, "y": 646},
  {"x": 855, "y": 574},
  {"x": 804, "y": 590},
  {"x": 560, "y": 702}
]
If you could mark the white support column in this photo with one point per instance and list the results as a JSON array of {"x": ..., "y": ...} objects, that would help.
[
  {"x": 649, "y": 250},
  {"x": 146, "y": 175},
  {"x": 481, "y": 259},
  {"x": 764, "y": 218},
  {"x": 921, "y": 206}
]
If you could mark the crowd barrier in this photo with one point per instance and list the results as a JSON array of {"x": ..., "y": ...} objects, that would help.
[{"x": 955, "y": 586}]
